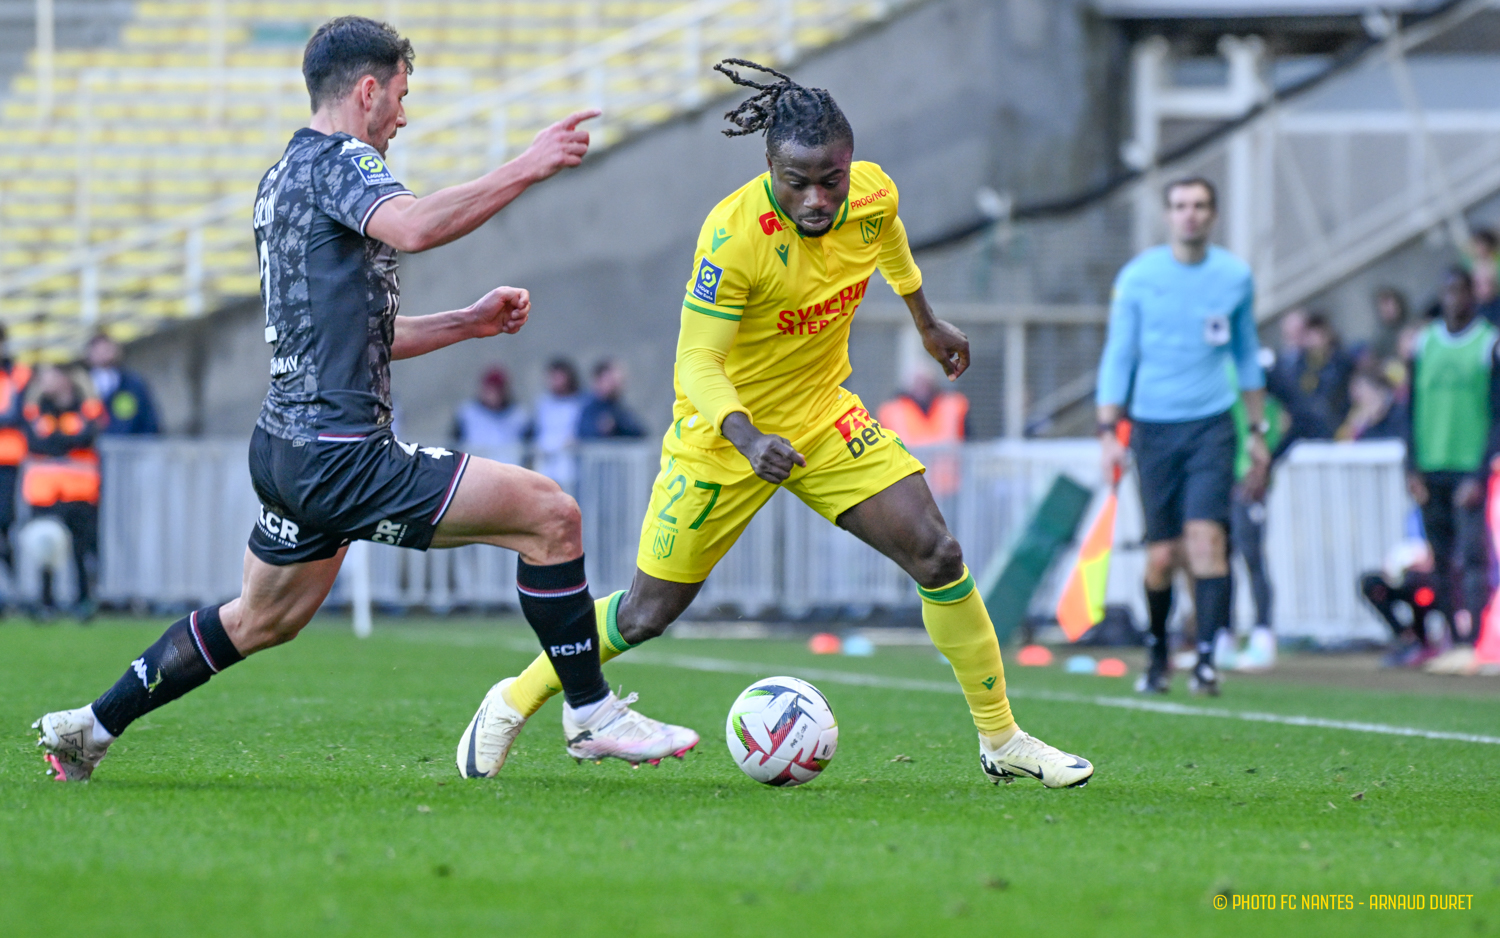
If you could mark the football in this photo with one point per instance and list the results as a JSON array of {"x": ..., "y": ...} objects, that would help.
[{"x": 781, "y": 731}]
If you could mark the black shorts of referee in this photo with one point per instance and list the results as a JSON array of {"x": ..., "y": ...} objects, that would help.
[{"x": 1186, "y": 472}]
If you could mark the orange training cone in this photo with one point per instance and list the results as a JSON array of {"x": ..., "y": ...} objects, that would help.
[{"x": 1081, "y": 606}]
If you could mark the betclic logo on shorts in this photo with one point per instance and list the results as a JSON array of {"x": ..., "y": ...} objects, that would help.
[{"x": 859, "y": 430}]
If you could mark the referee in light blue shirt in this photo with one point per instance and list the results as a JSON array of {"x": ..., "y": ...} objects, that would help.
[{"x": 1180, "y": 314}]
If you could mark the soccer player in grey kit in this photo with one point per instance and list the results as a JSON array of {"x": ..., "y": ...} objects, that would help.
[
  {"x": 329, "y": 220},
  {"x": 1181, "y": 314}
]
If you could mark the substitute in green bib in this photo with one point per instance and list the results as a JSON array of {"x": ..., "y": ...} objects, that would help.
[{"x": 1455, "y": 397}]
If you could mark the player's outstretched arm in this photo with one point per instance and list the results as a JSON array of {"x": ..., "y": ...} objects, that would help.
[
  {"x": 943, "y": 340},
  {"x": 503, "y": 309},
  {"x": 412, "y": 224}
]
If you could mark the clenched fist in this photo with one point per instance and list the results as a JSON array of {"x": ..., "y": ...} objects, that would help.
[{"x": 503, "y": 309}]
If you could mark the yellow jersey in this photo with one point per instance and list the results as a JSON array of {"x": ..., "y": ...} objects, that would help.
[{"x": 765, "y": 321}]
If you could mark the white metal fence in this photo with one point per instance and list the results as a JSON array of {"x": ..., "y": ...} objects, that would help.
[{"x": 176, "y": 515}]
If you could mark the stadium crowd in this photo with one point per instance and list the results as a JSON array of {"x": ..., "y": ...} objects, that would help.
[
  {"x": 494, "y": 424},
  {"x": 1429, "y": 379},
  {"x": 51, "y": 417}
]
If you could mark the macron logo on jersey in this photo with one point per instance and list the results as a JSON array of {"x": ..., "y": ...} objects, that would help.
[{"x": 706, "y": 282}]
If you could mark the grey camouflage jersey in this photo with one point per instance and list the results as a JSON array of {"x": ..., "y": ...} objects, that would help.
[{"x": 331, "y": 294}]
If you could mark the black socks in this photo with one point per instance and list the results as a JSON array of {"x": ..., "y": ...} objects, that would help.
[
  {"x": 1159, "y": 607},
  {"x": 556, "y": 601},
  {"x": 1212, "y": 597},
  {"x": 188, "y": 653}
]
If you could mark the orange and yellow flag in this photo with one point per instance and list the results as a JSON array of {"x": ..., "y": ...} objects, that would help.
[{"x": 1081, "y": 606}]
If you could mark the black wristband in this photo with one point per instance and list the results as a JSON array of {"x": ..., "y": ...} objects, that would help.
[{"x": 1106, "y": 429}]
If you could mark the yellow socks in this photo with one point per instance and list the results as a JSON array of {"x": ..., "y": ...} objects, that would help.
[
  {"x": 539, "y": 681},
  {"x": 955, "y": 617},
  {"x": 960, "y": 627}
]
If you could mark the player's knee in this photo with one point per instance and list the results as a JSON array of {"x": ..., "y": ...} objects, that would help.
[
  {"x": 647, "y": 621},
  {"x": 941, "y": 564},
  {"x": 259, "y": 630},
  {"x": 1161, "y": 558},
  {"x": 1207, "y": 550},
  {"x": 562, "y": 529}
]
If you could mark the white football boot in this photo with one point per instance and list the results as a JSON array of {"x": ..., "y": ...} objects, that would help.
[
  {"x": 71, "y": 744},
  {"x": 1226, "y": 650},
  {"x": 614, "y": 730},
  {"x": 1025, "y": 756},
  {"x": 485, "y": 744},
  {"x": 1260, "y": 651}
]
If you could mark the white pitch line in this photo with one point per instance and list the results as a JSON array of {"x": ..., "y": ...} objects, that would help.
[
  {"x": 852, "y": 678},
  {"x": 723, "y": 665}
]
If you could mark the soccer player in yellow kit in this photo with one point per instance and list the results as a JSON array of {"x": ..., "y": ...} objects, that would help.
[{"x": 781, "y": 266}]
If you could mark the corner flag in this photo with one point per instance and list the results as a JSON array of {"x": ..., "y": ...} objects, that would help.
[{"x": 1081, "y": 606}]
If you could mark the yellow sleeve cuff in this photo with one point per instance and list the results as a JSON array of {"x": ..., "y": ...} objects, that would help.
[{"x": 728, "y": 409}]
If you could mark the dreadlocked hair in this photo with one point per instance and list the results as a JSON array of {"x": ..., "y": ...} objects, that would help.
[{"x": 784, "y": 110}]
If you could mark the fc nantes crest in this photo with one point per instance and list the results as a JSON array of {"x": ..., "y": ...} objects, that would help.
[
  {"x": 869, "y": 228},
  {"x": 666, "y": 539}
]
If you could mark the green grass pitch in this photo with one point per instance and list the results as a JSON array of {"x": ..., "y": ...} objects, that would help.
[{"x": 312, "y": 791}]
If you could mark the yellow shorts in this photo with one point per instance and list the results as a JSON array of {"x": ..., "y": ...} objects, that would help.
[{"x": 702, "y": 499}]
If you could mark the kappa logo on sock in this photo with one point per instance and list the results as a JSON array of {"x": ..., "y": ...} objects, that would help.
[
  {"x": 139, "y": 666},
  {"x": 989, "y": 683},
  {"x": 576, "y": 648}
]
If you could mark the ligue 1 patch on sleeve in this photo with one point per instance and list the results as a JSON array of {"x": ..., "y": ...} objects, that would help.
[
  {"x": 706, "y": 283},
  {"x": 373, "y": 169}
]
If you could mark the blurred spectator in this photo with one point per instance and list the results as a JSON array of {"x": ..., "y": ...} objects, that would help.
[
  {"x": 605, "y": 415},
  {"x": 1247, "y": 537},
  {"x": 125, "y": 394},
  {"x": 61, "y": 478},
  {"x": 1406, "y": 348},
  {"x": 1312, "y": 382},
  {"x": 1450, "y": 444},
  {"x": 1286, "y": 362},
  {"x": 925, "y": 414},
  {"x": 491, "y": 424},
  {"x": 1292, "y": 330},
  {"x": 555, "y": 423},
  {"x": 14, "y": 377},
  {"x": 1484, "y": 269},
  {"x": 1403, "y": 594},
  {"x": 1374, "y": 412},
  {"x": 1390, "y": 319}
]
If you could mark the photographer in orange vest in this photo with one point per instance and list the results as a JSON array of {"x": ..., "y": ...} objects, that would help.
[
  {"x": 14, "y": 377},
  {"x": 63, "y": 418},
  {"x": 926, "y": 415}
]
